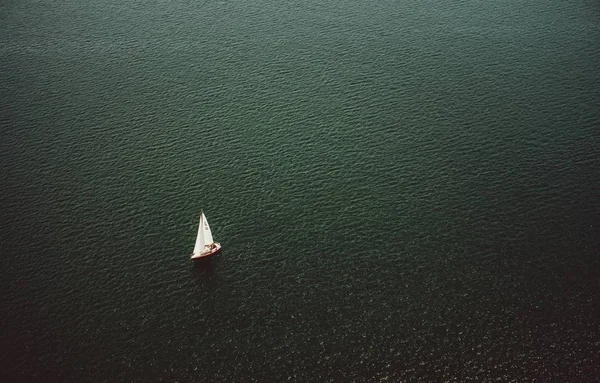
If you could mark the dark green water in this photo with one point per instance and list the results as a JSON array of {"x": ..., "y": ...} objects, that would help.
[{"x": 405, "y": 191}]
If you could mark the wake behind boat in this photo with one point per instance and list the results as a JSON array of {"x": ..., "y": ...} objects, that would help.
[{"x": 205, "y": 246}]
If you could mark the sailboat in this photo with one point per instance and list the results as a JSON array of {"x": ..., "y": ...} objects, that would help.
[{"x": 205, "y": 246}]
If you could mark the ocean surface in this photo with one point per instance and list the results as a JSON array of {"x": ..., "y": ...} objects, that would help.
[{"x": 405, "y": 191}]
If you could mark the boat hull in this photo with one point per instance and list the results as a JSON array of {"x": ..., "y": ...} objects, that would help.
[{"x": 207, "y": 255}]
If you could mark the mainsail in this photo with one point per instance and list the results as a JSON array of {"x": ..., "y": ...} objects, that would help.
[
  {"x": 208, "y": 239},
  {"x": 204, "y": 236}
]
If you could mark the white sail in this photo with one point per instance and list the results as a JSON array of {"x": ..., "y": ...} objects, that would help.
[
  {"x": 205, "y": 245},
  {"x": 200, "y": 242},
  {"x": 208, "y": 239}
]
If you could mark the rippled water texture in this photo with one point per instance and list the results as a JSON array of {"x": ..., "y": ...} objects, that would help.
[{"x": 404, "y": 191}]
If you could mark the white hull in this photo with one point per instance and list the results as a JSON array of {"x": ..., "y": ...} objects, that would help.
[{"x": 207, "y": 252}]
